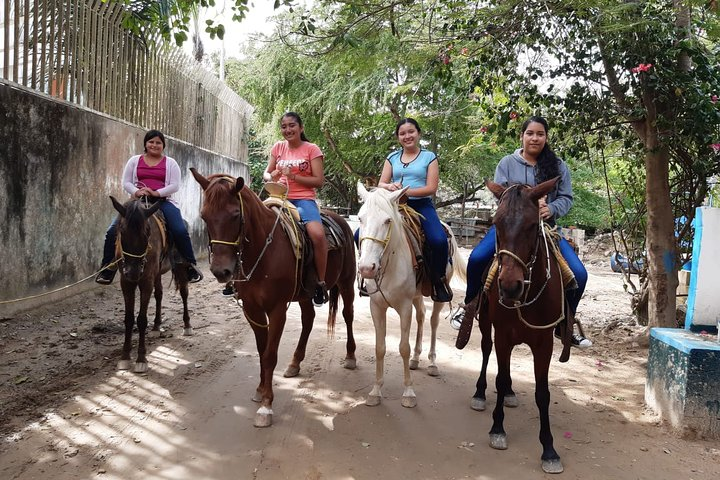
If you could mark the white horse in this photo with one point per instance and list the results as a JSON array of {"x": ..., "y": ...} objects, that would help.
[{"x": 386, "y": 264}]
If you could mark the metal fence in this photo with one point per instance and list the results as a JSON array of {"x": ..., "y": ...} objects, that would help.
[{"x": 77, "y": 50}]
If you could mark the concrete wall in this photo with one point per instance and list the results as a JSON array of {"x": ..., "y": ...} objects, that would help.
[
  {"x": 703, "y": 303},
  {"x": 58, "y": 164}
]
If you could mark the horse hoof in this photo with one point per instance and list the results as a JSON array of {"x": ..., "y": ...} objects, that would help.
[
  {"x": 188, "y": 332},
  {"x": 409, "y": 402},
  {"x": 373, "y": 400},
  {"x": 257, "y": 397},
  {"x": 154, "y": 334},
  {"x": 511, "y": 401},
  {"x": 498, "y": 441},
  {"x": 433, "y": 371},
  {"x": 414, "y": 364},
  {"x": 140, "y": 367},
  {"x": 123, "y": 365},
  {"x": 263, "y": 417},
  {"x": 350, "y": 363},
  {"x": 477, "y": 404},
  {"x": 552, "y": 466},
  {"x": 291, "y": 371}
]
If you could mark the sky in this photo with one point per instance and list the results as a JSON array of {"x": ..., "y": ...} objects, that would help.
[{"x": 256, "y": 21}]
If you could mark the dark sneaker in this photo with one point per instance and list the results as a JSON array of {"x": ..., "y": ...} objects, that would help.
[
  {"x": 362, "y": 289},
  {"x": 194, "y": 274},
  {"x": 321, "y": 296},
  {"x": 229, "y": 290},
  {"x": 576, "y": 340},
  {"x": 105, "y": 276},
  {"x": 441, "y": 292}
]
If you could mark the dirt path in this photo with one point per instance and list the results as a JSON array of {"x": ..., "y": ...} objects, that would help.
[{"x": 66, "y": 413}]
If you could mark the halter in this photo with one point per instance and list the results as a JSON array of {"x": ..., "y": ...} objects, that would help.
[{"x": 380, "y": 273}]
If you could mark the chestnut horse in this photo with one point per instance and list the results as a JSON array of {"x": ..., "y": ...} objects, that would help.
[
  {"x": 144, "y": 256},
  {"x": 386, "y": 264},
  {"x": 248, "y": 245},
  {"x": 525, "y": 301}
]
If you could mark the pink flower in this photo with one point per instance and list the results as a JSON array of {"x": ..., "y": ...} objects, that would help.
[
  {"x": 643, "y": 67},
  {"x": 716, "y": 147},
  {"x": 714, "y": 99},
  {"x": 483, "y": 129},
  {"x": 464, "y": 51},
  {"x": 513, "y": 115}
]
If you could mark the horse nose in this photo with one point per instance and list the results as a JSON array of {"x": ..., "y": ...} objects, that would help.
[
  {"x": 512, "y": 289},
  {"x": 367, "y": 271},
  {"x": 223, "y": 275}
]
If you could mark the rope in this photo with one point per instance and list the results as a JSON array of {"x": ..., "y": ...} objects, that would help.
[{"x": 30, "y": 297}]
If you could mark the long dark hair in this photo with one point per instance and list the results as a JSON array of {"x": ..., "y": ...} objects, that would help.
[
  {"x": 152, "y": 134},
  {"x": 299, "y": 122},
  {"x": 548, "y": 164},
  {"x": 404, "y": 121}
]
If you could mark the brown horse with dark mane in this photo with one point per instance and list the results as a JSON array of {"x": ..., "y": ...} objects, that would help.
[
  {"x": 145, "y": 254},
  {"x": 248, "y": 245},
  {"x": 524, "y": 302}
]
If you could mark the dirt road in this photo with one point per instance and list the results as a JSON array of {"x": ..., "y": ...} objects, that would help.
[{"x": 66, "y": 413}]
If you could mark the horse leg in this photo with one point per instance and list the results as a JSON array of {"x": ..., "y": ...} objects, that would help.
[
  {"x": 409, "y": 399},
  {"x": 256, "y": 317},
  {"x": 308, "y": 318},
  {"x": 348, "y": 297},
  {"x": 128, "y": 290},
  {"x": 276, "y": 319},
  {"x": 141, "y": 365},
  {"x": 379, "y": 316},
  {"x": 183, "y": 288},
  {"x": 550, "y": 459},
  {"x": 498, "y": 437},
  {"x": 478, "y": 402},
  {"x": 419, "y": 305},
  {"x": 432, "y": 369},
  {"x": 155, "y": 332}
]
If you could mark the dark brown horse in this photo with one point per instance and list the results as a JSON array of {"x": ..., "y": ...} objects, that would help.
[
  {"x": 247, "y": 244},
  {"x": 145, "y": 253},
  {"x": 524, "y": 302}
]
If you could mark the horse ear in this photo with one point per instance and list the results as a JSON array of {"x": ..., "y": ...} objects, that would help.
[
  {"x": 239, "y": 184},
  {"x": 204, "y": 182},
  {"x": 118, "y": 206},
  {"x": 495, "y": 188},
  {"x": 542, "y": 189},
  {"x": 153, "y": 208},
  {"x": 395, "y": 196},
  {"x": 362, "y": 192}
]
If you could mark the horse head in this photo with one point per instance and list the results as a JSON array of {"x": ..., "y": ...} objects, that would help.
[
  {"x": 517, "y": 228},
  {"x": 223, "y": 214},
  {"x": 379, "y": 221},
  {"x": 133, "y": 236}
]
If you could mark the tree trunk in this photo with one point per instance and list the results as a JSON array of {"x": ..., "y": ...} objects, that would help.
[{"x": 660, "y": 238}]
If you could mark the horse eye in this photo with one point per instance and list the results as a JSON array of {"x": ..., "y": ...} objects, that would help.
[{"x": 387, "y": 222}]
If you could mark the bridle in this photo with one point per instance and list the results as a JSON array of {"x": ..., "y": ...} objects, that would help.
[{"x": 528, "y": 270}]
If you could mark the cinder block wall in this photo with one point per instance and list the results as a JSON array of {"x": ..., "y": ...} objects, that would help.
[{"x": 58, "y": 164}]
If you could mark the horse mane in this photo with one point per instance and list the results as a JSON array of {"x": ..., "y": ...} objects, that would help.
[
  {"x": 134, "y": 215},
  {"x": 220, "y": 187}
]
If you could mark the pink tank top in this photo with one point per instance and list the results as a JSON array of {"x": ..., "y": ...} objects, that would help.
[{"x": 151, "y": 177}]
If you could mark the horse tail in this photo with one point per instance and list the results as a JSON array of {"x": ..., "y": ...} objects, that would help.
[
  {"x": 459, "y": 264},
  {"x": 334, "y": 293},
  {"x": 458, "y": 261}
]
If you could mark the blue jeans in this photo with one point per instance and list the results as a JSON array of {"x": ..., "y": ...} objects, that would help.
[
  {"x": 435, "y": 236},
  {"x": 484, "y": 251},
  {"x": 175, "y": 225}
]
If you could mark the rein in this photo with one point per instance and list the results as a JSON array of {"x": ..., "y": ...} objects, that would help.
[{"x": 381, "y": 268}]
